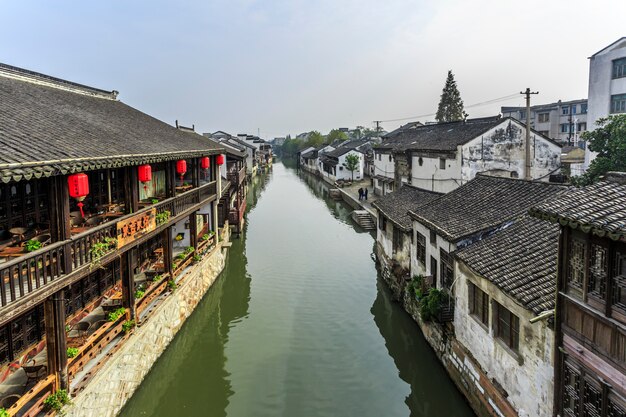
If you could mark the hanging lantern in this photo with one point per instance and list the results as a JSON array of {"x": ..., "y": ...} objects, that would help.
[
  {"x": 78, "y": 185},
  {"x": 220, "y": 159},
  {"x": 205, "y": 163},
  {"x": 144, "y": 172},
  {"x": 181, "y": 168}
]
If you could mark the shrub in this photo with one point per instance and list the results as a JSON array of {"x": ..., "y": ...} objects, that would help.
[
  {"x": 197, "y": 258},
  {"x": 32, "y": 245},
  {"x": 128, "y": 325},
  {"x": 430, "y": 305},
  {"x": 139, "y": 293},
  {"x": 162, "y": 217},
  {"x": 71, "y": 352},
  {"x": 189, "y": 249},
  {"x": 171, "y": 284},
  {"x": 57, "y": 400},
  {"x": 4, "y": 412},
  {"x": 154, "y": 200},
  {"x": 116, "y": 314}
]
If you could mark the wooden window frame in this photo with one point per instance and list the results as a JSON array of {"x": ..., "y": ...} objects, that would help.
[
  {"x": 447, "y": 269},
  {"x": 420, "y": 248},
  {"x": 511, "y": 341},
  {"x": 478, "y": 304}
]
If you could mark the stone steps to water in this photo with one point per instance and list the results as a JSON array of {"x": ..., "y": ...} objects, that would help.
[{"x": 364, "y": 219}]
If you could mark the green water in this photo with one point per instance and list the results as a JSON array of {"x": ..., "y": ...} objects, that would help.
[{"x": 298, "y": 324}]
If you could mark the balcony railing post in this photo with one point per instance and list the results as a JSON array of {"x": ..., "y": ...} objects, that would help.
[{"x": 54, "y": 315}]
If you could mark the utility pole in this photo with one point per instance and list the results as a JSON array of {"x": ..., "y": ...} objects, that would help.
[
  {"x": 527, "y": 93},
  {"x": 377, "y": 125}
]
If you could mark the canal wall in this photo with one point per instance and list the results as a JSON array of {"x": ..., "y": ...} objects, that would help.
[
  {"x": 121, "y": 375},
  {"x": 485, "y": 398}
]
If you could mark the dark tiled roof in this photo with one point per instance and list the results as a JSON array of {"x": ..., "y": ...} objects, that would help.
[
  {"x": 340, "y": 151},
  {"x": 483, "y": 204},
  {"x": 521, "y": 260},
  {"x": 396, "y": 206},
  {"x": 50, "y": 127},
  {"x": 440, "y": 136},
  {"x": 310, "y": 154},
  {"x": 600, "y": 208}
]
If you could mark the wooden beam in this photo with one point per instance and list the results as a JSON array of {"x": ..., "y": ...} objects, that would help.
[
  {"x": 193, "y": 230},
  {"x": 128, "y": 263}
]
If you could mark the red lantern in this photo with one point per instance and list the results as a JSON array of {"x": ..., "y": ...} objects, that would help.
[
  {"x": 205, "y": 163},
  {"x": 181, "y": 168},
  {"x": 220, "y": 159},
  {"x": 78, "y": 185},
  {"x": 144, "y": 172}
]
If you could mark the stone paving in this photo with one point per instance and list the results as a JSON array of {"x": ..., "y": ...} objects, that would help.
[{"x": 353, "y": 192}]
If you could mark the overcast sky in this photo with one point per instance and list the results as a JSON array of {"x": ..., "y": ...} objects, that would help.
[{"x": 298, "y": 65}]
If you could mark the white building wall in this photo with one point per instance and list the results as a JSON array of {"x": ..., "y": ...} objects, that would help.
[
  {"x": 432, "y": 250},
  {"x": 602, "y": 87},
  {"x": 502, "y": 149},
  {"x": 384, "y": 164},
  {"x": 343, "y": 173},
  {"x": 430, "y": 176},
  {"x": 526, "y": 376}
]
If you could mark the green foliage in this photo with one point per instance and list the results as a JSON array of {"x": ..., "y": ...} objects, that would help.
[
  {"x": 4, "y": 412},
  {"x": 139, "y": 294},
  {"x": 206, "y": 236},
  {"x": 415, "y": 286},
  {"x": 32, "y": 245},
  {"x": 154, "y": 200},
  {"x": 609, "y": 140},
  {"x": 336, "y": 134},
  {"x": 189, "y": 249},
  {"x": 352, "y": 163},
  {"x": 71, "y": 352},
  {"x": 128, "y": 325},
  {"x": 116, "y": 314},
  {"x": 171, "y": 284},
  {"x": 430, "y": 304},
  {"x": 180, "y": 256},
  {"x": 316, "y": 139},
  {"x": 162, "y": 217},
  {"x": 99, "y": 249},
  {"x": 57, "y": 400},
  {"x": 450, "y": 106},
  {"x": 197, "y": 258}
]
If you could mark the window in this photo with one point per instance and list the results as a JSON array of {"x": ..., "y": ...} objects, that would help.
[
  {"x": 433, "y": 237},
  {"x": 619, "y": 68},
  {"x": 478, "y": 303},
  {"x": 389, "y": 157},
  {"x": 570, "y": 390},
  {"x": 397, "y": 239},
  {"x": 506, "y": 326},
  {"x": 340, "y": 168},
  {"x": 618, "y": 103},
  {"x": 420, "y": 248},
  {"x": 618, "y": 301},
  {"x": 565, "y": 110},
  {"x": 565, "y": 127},
  {"x": 544, "y": 117},
  {"x": 442, "y": 163},
  {"x": 522, "y": 115},
  {"x": 582, "y": 127},
  {"x": 447, "y": 269},
  {"x": 420, "y": 161},
  {"x": 573, "y": 109},
  {"x": 583, "y": 108},
  {"x": 598, "y": 272},
  {"x": 575, "y": 274},
  {"x": 382, "y": 222},
  {"x": 379, "y": 157}
]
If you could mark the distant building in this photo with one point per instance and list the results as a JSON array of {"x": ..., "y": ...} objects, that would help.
[
  {"x": 607, "y": 85},
  {"x": 563, "y": 121}
]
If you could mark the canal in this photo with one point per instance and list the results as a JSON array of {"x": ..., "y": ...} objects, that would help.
[{"x": 298, "y": 324}]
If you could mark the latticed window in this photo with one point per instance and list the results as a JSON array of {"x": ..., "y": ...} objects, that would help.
[
  {"x": 478, "y": 304},
  {"x": 447, "y": 268},
  {"x": 506, "y": 326},
  {"x": 420, "y": 248},
  {"x": 576, "y": 265},
  {"x": 598, "y": 271},
  {"x": 616, "y": 406},
  {"x": 571, "y": 391},
  {"x": 619, "y": 68},
  {"x": 619, "y": 283},
  {"x": 592, "y": 399}
]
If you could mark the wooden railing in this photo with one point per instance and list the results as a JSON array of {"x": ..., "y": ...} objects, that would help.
[
  {"x": 32, "y": 271},
  {"x": 38, "y": 393},
  {"x": 237, "y": 177}
]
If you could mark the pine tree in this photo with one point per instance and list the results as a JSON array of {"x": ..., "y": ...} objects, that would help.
[{"x": 451, "y": 106}]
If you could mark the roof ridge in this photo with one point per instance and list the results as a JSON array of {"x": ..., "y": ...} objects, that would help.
[{"x": 21, "y": 74}]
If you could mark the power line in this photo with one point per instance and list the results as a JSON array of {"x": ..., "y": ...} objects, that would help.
[{"x": 495, "y": 100}]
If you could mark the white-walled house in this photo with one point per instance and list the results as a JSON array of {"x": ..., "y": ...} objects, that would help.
[
  {"x": 466, "y": 215},
  {"x": 441, "y": 157},
  {"x": 394, "y": 232},
  {"x": 384, "y": 171},
  {"x": 502, "y": 282},
  {"x": 334, "y": 166},
  {"x": 308, "y": 160},
  {"x": 607, "y": 86}
]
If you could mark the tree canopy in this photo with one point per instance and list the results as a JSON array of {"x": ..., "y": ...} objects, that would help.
[
  {"x": 352, "y": 163},
  {"x": 336, "y": 134},
  {"x": 450, "y": 106},
  {"x": 609, "y": 140}
]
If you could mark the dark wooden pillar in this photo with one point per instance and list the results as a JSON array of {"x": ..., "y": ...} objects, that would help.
[
  {"x": 195, "y": 172},
  {"x": 56, "y": 345},
  {"x": 129, "y": 261},
  {"x": 193, "y": 230},
  {"x": 170, "y": 178},
  {"x": 59, "y": 208},
  {"x": 131, "y": 189},
  {"x": 167, "y": 251}
]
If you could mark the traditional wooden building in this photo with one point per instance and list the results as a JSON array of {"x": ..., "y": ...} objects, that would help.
[
  {"x": 232, "y": 204},
  {"x": 590, "y": 371},
  {"x": 102, "y": 209}
]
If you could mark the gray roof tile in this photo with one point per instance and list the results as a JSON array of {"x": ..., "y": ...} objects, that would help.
[{"x": 396, "y": 206}]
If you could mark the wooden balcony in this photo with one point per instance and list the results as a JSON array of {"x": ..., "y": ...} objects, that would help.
[
  {"x": 31, "y": 278},
  {"x": 237, "y": 177},
  {"x": 235, "y": 215}
]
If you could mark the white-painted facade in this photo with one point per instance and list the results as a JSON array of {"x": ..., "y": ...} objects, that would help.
[
  {"x": 526, "y": 374},
  {"x": 344, "y": 173},
  {"x": 499, "y": 151},
  {"x": 606, "y": 86},
  {"x": 384, "y": 166},
  {"x": 434, "y": 244},
  {"x": 401, "y": 253}
]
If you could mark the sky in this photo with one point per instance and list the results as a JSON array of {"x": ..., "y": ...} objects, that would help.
[{"x": 290, "y": 66}]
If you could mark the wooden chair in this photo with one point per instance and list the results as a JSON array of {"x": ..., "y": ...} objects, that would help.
[{"x": 35, "y": 372}]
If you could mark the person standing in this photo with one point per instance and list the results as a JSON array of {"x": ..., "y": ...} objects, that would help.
[
  {"x": 365, "y": 193},
  {"x": 360, "y": 193}
]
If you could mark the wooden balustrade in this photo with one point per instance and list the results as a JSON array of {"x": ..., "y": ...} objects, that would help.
[
  {"x": 28, "y": 273},
  {"x": 38, "y": 393},
  {"x": 237, "y": 177}
]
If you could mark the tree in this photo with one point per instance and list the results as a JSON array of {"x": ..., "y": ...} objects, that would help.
[
  {"x": 352, "y": 163},
  {"x": 336, "y": 134},
  {"x": 315, "y": 139},
  {"x": 450, "y": 106},
  {"x": 609, "y": 140}
]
